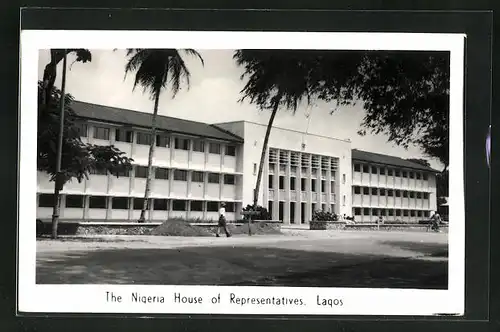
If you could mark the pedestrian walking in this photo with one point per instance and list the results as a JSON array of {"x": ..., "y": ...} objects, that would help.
[
  {"x": 435, "y": 220},
  {"x": 222, "y": 221}
]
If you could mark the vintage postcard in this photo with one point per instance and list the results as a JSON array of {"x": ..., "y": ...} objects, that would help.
[{"x": 265, "y": 173}]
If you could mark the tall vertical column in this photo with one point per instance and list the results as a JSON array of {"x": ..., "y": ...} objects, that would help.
[
  {"x": 276, "y": 186},
  {"x": 286, "y": 208},
  {"x": 309, "y": 190}
]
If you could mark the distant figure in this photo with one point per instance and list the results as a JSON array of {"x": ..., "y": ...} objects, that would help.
[
  {"x": 222, "y": 221},
  {"x": 435, "y": 220},
  {"x": 380, "y": 220}
]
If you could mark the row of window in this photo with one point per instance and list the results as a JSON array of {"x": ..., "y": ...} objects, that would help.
[
  {"x": 293, "y": 170},
  {"x": 162, "y": 173},
  {"x": 390, "y": 172},
  {"x": 390, "y": 212},
  {"x": 390, "y": 192},
  {"x": 124, "y": 203},
  {"x": 287, "y": 157},
  {"x": 303, "y": 184},
  {"x": 162, "y": 140}
]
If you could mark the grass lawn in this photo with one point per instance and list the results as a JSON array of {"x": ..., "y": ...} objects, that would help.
[{"x": 346, "y": 261}]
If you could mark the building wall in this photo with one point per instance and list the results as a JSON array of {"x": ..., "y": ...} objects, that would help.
[
  {"x": 288, "y": 142},
  {"x": 391, "y": 192},
  {"x": 188, "y": 176}
]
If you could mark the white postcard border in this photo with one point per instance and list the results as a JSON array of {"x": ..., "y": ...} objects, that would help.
[{"x": 356, "y": 301}]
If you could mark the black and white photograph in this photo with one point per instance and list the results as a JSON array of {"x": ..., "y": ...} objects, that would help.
[{"x": 241, "y": 173}]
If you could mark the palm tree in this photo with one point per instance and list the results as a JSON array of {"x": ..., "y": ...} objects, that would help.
[
  {"x": 154, "y": 70},
  {"x": 275, "y": 78}
]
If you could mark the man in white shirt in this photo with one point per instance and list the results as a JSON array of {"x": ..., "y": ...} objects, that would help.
[
  {"x": 222, "y": 221},
  {"x": 435, "y": 220}
]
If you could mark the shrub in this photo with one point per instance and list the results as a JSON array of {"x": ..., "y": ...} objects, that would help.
[
  {"x": 324, "y": 216},
  {"x": 263, "y": 214},
  {"x": 180, "y": 228}
]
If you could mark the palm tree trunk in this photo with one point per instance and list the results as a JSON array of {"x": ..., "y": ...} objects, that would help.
[
  {"x": 152, "y": 145},
  {"x": 59, "y": 181},
  {"x": 263, "y": 154}
]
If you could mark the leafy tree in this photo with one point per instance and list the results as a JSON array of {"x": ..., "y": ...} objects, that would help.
[
  {"x": 78, "y": 158},
  {"x": 154, "y": 70},
  {"x": 274, "y": 80}
]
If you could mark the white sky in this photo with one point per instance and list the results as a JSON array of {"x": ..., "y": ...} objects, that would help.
[{"x": 212, "y": 97}]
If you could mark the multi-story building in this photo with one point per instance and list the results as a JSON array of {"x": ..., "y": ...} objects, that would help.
[
  {"x": 197, "y": 166},
  {"x": 391, "y": 188}
]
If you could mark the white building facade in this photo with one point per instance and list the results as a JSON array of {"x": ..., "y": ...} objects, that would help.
[{"x": 197, "y": 166}]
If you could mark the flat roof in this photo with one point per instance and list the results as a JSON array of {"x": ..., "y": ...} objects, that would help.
[
  {"x": 377, "y": 158},
  {"x": 127, "y": 117}
]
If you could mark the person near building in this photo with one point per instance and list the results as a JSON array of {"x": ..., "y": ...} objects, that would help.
[
  {"x": 435, "y": 221},
  {"x": 222, "y": 221}
]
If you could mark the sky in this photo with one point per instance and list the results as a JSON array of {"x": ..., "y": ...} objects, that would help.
[{"x": 213, "y": 97}]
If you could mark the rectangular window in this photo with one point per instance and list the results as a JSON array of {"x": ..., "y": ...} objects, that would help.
[
  {"x": 419, "y": 195},
  {"x": 46, "y": 200},
  {"x": 214, "y": 148},
  {"x": 179, "y": 205},
  {"x": 398, "y": 213},
  {"x": 374, "y": 212},
  {"x": 427, "y": 214},
  {"x": 94, "y": 171},
  {"x": 343, "y": 178},
  {"x": 332, "y": 187},
  {"x": 374, "y": 170},
  {"x": 398, "y": 193},
  {"x": 357, "y": 211},
  {"x": 197, "y": 177},
  {"x": 412, "y": 175},
  {"x": 74, "y": 201},
  {"x": 213, "y": 178},
  {"x": 198, "y": 146},
  {"x": 405, "y": 213},
  {"x": 418, "y": 176},
  {"x": 313, "y": 185},
  {"x": 390, "y": 213},
  {"x": 181, "y": 143},
  {"x": 382, "y": 171},
  {"x": 162, "y": 141},
  {"x": 161, "y": 173},
  {"x": 230, "y": 207},
  {"x": 343, "y": 200},
  {"x": 425, "y": 176},
  {"x": 120, "y": 203},
  {"x": 374, "y": 191},
  {"x": 357, "y": 168},
  {"x": 382, "y": 192},
  {"x": 357, "y": 190},
  {"x": 390, "y": 192},
  {"x": 292, "y": 183},
  {"x": 82, "y": 129},
  {"x": 123, "y": 135},
  {"x": 366, "y": 191},
  {"x": 419, "y": 213},
  {"x": 141, "y": 172},
  {"x": 143, "y": 138},
  {"x": 254, "y": 168},
  {"x": 281, "y": 182},
  {"x": 160, "y": 204},
  {"x": 180, "y": 175},
  {"x": 229, "y": 179},
  {"x": 98, "y": 202},
  {"x": 412, "y": 213},
  {"x": 138, "y": 202},
  {"x": 397, "y": 173},
  {"x": 405, "y": 174},
  {"x": 123, "y": 173},
  {"x": 197, "y": 206},
  {"x": 271, "y": 182},
  {"x": 323, "y": 186},
  {"x": 101, "y": 133},
  {"x": 405, "y": 194},
  {"x": 303, "y": 184},
  {"x": 212, "y": 206},
  {"x": 426, "y": 195},
  {"x": 366, "y": 211},
  {"x": 230, "y": 150},
  {"x": 366, "y": 169},
  {"x": 389, "y": 171},
  {"x": 412, "y": 194}
]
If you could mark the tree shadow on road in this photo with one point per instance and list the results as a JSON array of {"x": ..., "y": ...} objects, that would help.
[
  {"x": 239, "y": 266},
  {"x": 426, "y": 249}
]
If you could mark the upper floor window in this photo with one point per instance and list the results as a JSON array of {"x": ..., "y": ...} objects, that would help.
[
  {"x": 389, "y": 171},
  {"x": 180, "y": 175},
  {"x": 357, "y": 190},
  {"x": 366, "y": 169},
  {"x": 197, "y": 177},
  {"x": 123, "y": 135},
  {"x": 141, "y": 172},
  {"x": 213, "y": 178},
  {"x": 374, "y": 170},
  {"x": 98, "y": 202},
  {"x": 418, "y": 175},
  {"x": 230, "y": 150},
  {"x": 82, "y": 129},
  {"x": 143, "y": 138},
  {"x": 181, "y": 143},
  {"x": 214, "y": 148},
  {"x": 98, "y": 171},
  {"x": 162, "y": 141},
  {"x": 229, "y": 179},
  {"x": 357, "y": 168},
  {"x": 382, "y": 171},
  {"x": 405, "y": 174},
  {"x": 101, "y": 133},
  {"x": 161, "y": 173},
  {"x": 425, "y": 176},
  {"x": 74, "y": 201},
  {"x": 412, "y": 175},
  {"x": 198, "y": 146}
]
